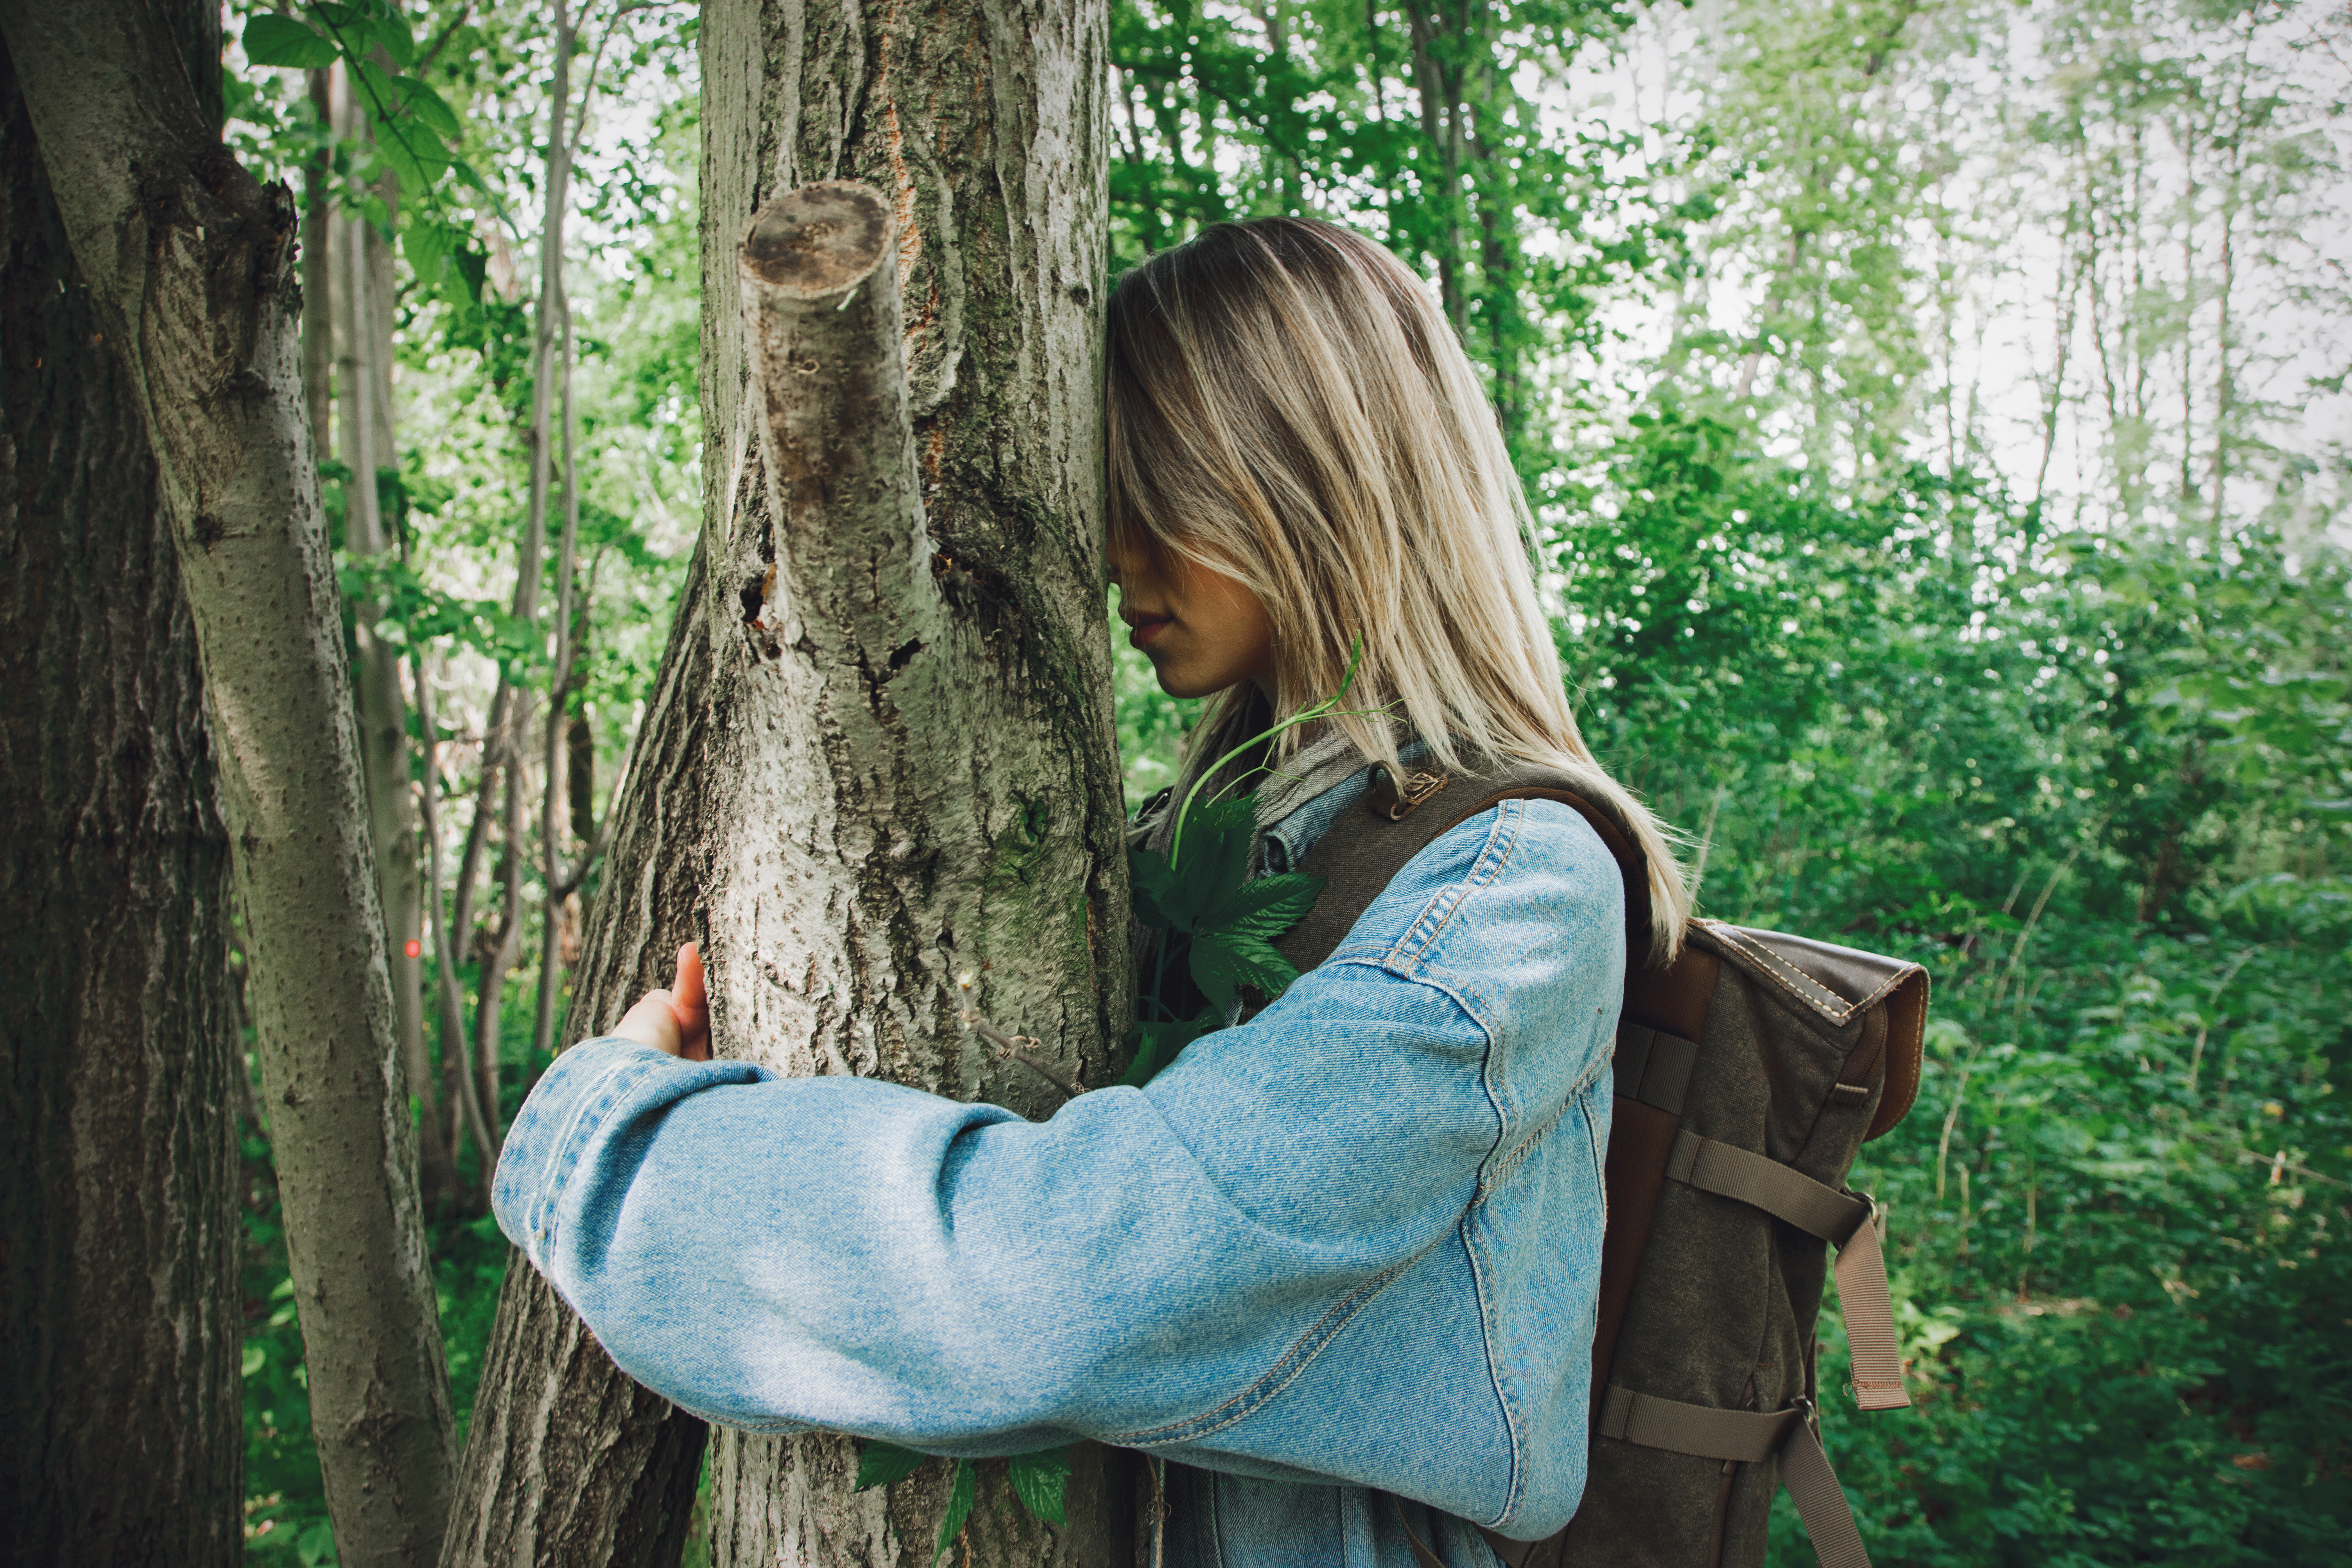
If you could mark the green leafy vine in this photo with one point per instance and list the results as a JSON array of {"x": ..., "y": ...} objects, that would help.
[{"x": 1216, "y": 925}]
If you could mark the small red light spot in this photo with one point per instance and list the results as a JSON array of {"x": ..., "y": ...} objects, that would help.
[{"x": 414, "y": 947}]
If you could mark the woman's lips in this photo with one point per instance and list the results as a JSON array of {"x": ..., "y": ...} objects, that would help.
[{"x": 1147, "y": 627}]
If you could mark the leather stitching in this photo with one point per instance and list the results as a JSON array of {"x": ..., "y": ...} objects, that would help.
[
  {"x": 1780, "y": 970},
  {"x": 1782, "y": 973}
]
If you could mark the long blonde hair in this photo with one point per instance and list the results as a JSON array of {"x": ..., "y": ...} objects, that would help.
[{"x": 1286, "y": 405}]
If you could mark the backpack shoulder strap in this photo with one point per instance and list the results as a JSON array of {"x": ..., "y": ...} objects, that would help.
[{"x": 1361, "y": 853}]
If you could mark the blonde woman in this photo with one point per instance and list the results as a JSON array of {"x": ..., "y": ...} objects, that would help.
[{"x": 1334, "y": 1268}]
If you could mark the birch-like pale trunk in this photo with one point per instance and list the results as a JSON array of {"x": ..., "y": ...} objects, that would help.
[
  {"x": 509, "y": 714},
  {"x": 880, "y": 752},
  {"x": 558, "y": 884},
  {"x": 364, "y": 315},
  {"x": 190, "y": 264}
]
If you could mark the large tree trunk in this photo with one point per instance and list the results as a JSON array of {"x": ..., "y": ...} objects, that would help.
[
  {"x": 881, "y": 752},
  {"x": 189, "y": 263},
  {"x": 122, "y": 1438}
]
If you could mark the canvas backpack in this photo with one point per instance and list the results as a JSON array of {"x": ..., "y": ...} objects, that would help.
[{"x": 1749, "y": 1073}]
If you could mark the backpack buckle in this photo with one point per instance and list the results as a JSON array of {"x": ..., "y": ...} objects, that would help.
[{"x": 1392, "y": 798}]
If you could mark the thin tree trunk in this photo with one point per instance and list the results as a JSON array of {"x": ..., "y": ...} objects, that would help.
[
  {"x": 190, "y": 265},
  {"x": 318, "y": 272},
  {"x": 121, "y": 1436},
  {"x": 559, "y": 685},
  {"x": 456, "y": 1060},
  {"x": 502, "y": 949},
  {"x": 887, "y": 759},
  {"x": 365, "y": 320},
  {"x": 385, "y": 710}
]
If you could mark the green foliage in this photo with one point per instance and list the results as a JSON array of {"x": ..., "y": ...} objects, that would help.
[
  {"x": 962, "y": 1490},
  {"x": 1039, "y": 1481},
  {"x": 881, "y": 1464},
  {"x": 413, "y": 128},
  {"x": 1427, "y": 129}
]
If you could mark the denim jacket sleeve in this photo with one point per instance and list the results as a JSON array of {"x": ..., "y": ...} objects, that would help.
[{"x": 1225, "y": 1266}]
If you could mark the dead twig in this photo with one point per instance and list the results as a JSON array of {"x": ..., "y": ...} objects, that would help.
[{"x": 1022, "y": 1048}]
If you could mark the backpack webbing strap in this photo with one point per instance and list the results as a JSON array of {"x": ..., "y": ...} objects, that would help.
[
  {"x": 1762, "y": 1182},
  {"x": 1653, "y": 1065},
  {"x": 1873, "y": 1354},
  {"x": 1841, "y": 1218},
  {"x": 1748, "y": 1437}
]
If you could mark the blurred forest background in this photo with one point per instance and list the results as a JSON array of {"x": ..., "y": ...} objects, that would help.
[{"x": 1936, "y": 414}]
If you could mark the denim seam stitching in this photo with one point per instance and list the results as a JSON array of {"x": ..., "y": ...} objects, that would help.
[
  {"x": 1503, "y": 1167},
  {"x": 1475, "y": 1249},
  {"x": 1594, "y": 1141},
  {"x": 1281, "y": 1376},
  {"x": 596, "y": 1099},
  {"x": 1501, "y": 840}
]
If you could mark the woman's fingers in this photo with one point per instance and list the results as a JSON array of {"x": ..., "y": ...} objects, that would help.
[
  {"x": 654, "y": 1022},
  {"x": 691, "y": 1002}
]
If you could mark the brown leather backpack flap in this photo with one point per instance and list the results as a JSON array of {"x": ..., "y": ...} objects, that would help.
[{"x": 1838, "y": 985}]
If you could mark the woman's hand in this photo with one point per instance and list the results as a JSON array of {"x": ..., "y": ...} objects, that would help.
[{"x": 676, "y": 1021}]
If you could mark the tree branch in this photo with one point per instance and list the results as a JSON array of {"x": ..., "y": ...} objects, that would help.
[{"x": 822, "y": 317}]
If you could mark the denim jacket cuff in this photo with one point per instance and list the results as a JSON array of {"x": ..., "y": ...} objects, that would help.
[{"x": 568, "y": 1116}]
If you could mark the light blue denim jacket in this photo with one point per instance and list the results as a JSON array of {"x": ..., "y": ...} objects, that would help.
[{"x": 1351, "y": 1246}]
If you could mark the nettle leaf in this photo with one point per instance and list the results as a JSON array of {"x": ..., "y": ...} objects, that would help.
[
  {"x": 1039, "y": 1480},
  {"x": 1267, "y": 907},
  {"x": 1225, "y": 962},
  {"x": 881, "y": 1464},
  {"x": 285, "y": 41},
  {"x": 960, "y": 1499},
  {"x": 416, "y": 154},
  {"x": 1212, "y": 860},
  {"x": 426, "y": 245},
  {"x": 1157, "y": 1045},
  {"x": 1148, "y": 879}
]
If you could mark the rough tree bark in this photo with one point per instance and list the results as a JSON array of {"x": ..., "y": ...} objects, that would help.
[
  {"x": 190, "y": 267},
  {"x": 880, "y": 752},
  {"x": 121, "y": 1436}
]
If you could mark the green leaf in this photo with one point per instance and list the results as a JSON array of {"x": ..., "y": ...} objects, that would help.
[
  {"x": 1266, "y": 908},
  {"x": 1225, "y": 962},
  {"x": 1215, "y": 861},
  {"x": 284, "y": 41},
  {"x": 389, "y": 29},
  {"x": 1039, "y": 1481},
  {"x": 426, "y": 245},
  {"x": 960, "y": 1497},
  {"x": 1157, "y": 1045},
  {"x": 1148, "y": 879},
  {"x": 317, "y": 1544},
  {"x": 427, "y": 105},
  {"x": 881, "y": 1464}
]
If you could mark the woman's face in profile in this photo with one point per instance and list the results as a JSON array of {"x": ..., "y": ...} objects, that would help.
[{"x": 1203, "y": 630}]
